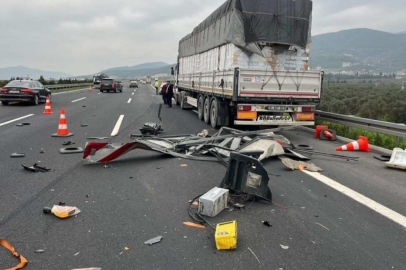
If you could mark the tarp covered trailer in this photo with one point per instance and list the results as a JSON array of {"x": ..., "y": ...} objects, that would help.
[{"x": 247, "y": 64}]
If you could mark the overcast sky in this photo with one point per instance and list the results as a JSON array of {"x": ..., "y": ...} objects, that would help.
[{"x": 85, "y": 36}]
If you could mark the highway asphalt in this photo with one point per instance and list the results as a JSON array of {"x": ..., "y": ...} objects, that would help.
[{"x": 145, "y": 194}]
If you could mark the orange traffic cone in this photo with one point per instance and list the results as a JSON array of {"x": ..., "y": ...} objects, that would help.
[
  {"x": 47, "y": 109},
  {"x": 90, "y": 88},
  {"x": 317, "y": 130},
  {"x": 361, "y": 144},
  {"x": 328, "y": 134},
  {"x": 62, "y": 128}
]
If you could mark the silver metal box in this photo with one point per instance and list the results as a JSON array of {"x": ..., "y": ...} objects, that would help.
[{"x": 213, "y": 202}]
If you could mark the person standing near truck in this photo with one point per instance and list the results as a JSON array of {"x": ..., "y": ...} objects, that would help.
[
  {"x": 169, "y": 94},
  {"x": 163, "y": 92},
  {"x": 156, "y": 86}
]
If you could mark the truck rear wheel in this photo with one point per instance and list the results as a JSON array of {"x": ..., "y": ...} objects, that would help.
[
  {"x": 200, "y": 107},
  {"x": 206, "y": 110},
  {"x": 214, "y": 113}
]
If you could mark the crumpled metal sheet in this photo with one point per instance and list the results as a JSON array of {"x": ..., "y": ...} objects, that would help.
[
  {"x": 270, "y": 147},
  {"x": 300, "y": 165}
]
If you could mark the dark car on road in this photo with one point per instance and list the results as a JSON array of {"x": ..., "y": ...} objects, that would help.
[
  {"x": 24, "y": 91},
  {"x": 108, "y": 85}
]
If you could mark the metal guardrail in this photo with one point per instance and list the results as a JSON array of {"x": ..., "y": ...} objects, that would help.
[
  {"x": 63, "y": 86},
  {"x": 398, "y": 130}
]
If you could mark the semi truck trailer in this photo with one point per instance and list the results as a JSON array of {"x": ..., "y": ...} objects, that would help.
[{"x": 247, "y": 64}]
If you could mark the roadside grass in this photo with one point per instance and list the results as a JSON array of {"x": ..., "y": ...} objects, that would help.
[{"x": 374, "y": 138}]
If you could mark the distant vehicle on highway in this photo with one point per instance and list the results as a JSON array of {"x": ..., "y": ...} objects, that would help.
[
  {"x": 98, "y": 77},
  {"x": 24, "y": 91},
  {"x": 110, "y": 85},
  {"x": 148, "y": 80},
  {"x": 133, "y": 84}
]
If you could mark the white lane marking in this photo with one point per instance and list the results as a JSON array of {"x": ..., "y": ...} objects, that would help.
[
  {"x": 132, "y": 93},
  {"x": 78, "y": 99},
  {"x": 129, "y": 100},
  {"x": 14, "y": 120},
  {"x": 117, "y": 126},
  {"x": 379, "y": 208}
]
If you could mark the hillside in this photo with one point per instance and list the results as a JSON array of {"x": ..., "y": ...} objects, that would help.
[
  {"x": 360, "y": 49},
  {"x": 21, "y": 71},
  {"x": 139, "y": 71},
  {"x": 130, "y": 70}
]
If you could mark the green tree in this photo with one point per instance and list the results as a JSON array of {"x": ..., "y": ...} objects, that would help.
[{"x": 42, "y": 80}]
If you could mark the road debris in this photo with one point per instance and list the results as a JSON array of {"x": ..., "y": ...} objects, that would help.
[
  {"x": 213, "y": 202},
  {"x": 106, "y": 166},
  {"x": 76, "y": 254},
  {"x": 252, "y": 178},
  {"x": 184, "y": 146},
  {"x": 239, "y": 205},
  {"x": 17, "y": 155},
  {"x": 317, "y": 153},
  {"x": 192, "y": 224},
  {"x": 225, "y": 235},
  {"x": 322, "y": 226},
  {"x": 83, "y": 125},
  {"x": 269, "y": 147},
  {"x": 23, "y": 261},
  {"x": 23, "y": 124},
  {"x": 36, "y": 168},
  {"x": 254, "y": 255},
  {"x": 299, "y": 165},
  {"x": 384, "y": 158},
  {"x": 153, "y": 128},
  {"x": 153, "y": 240},
  {"x": 183, "y": 165},
  {"x": 284, "y": 247},
  {"x": 40, "y": 251},
  {"x": 71, "y": 150},
  {"x": 266, "y": 223},
  {"x": 68, "y": 142},
  {"x": 87, "y": 268},
  {"x": 398, "y": 159},
  {"x": 42, "y": 151},
  {"x": 126, "y": 248},
  {"x": 204, "y": 133},
  {"x": 62, "y": 211}
]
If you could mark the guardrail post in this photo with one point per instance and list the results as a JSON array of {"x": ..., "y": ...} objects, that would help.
[{"x": 397, "y": 141}]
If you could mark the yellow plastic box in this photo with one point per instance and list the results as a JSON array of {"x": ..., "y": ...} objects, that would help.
[{"x": 226, "y": 235}]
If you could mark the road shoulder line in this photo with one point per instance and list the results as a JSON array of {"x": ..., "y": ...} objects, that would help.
[{"x": 379, "y": 208}]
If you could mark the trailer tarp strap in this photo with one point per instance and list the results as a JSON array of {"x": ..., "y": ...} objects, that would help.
[{"x": 23, "y": 260}]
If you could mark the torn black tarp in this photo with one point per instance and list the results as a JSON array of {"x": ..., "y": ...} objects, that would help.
[{"x": 245, "y": 23}]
